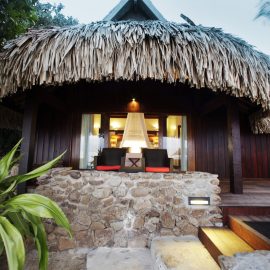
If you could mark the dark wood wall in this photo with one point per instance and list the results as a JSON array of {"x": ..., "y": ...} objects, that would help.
[
  {"x": 53, "y": 135},
  {"x": 212, "y": 151},
  {"x": 211, "y": 144},
  {"x": 255, "y": 152}
]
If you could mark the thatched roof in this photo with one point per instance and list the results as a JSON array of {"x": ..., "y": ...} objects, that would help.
[{"x": 171, "y": 52}]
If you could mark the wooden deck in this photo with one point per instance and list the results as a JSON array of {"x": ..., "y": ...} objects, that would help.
[{"x": 256, "y": 194}]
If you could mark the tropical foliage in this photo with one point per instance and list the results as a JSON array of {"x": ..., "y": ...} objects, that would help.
[
  {"x": 21, "y": 215},
  {"x": 51, "y": 15},
  {"x": 264, "y": 10},
  {"x": 16, "y": 16}
]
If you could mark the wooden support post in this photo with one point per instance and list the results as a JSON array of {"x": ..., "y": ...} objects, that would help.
[
  {"x": 75, "y": 139},
  {"x": 29, "y": 137},
  {"x": 191, "y": 144},
  {"x": 162, "y": 131},
  {"x": 105, "y": 128},
  {"x": 234, "y": 148}
]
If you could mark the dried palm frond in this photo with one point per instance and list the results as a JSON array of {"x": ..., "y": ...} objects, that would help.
[{"x": 165, "y": 51}]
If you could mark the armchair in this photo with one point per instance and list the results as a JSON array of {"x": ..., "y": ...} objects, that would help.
[
  {"x": 156, "y": 160},
  {"x": 109, "y": 159}
]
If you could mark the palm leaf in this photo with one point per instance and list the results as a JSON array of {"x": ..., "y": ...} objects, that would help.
[
  {"x": 39, "y": 206},
  {"x": 13, "y": 243},
  {"x": 4, "y": 193},
  {"x": 6, "y": 162},
  {"x": 38, "y": 171},
  {"x": 1, "y": 246},
  {"x": 39, "y": 236},
  {"x": 20, "y": 223}
]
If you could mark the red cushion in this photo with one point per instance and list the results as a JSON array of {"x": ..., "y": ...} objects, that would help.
[
  {"x": 108, "y": 168},
  {"x": 157, "y": 169}
]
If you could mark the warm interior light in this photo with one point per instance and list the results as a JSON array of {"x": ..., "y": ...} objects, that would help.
[
  {"x": 135, "y": 134},
  {"x": 155, "y": 126},
  {"x": 133, "y": 106},
  {"x": 115, "y": 125},
  {"x": 198, "y": 200}
]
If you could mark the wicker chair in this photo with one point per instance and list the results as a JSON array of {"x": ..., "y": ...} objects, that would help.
[
  {"x": 109, "y": 159},
  {"x": 156, "y": 160}
]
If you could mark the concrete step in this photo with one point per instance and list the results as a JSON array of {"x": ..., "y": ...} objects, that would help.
[
  {"x": 222, "y": 241},
  {"x": 104, "y": 258},
  {"x": 239, "y": 225},
  {"x": 186, "y": 252}
]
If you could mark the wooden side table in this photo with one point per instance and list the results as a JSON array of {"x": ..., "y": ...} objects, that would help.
[{"x": 132, "y": 163}]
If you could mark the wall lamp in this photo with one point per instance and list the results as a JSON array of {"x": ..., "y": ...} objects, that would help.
[{"x": 199, "y": 200}]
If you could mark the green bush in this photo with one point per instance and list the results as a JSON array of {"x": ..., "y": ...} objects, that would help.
[{"x": 21, "y": 215}]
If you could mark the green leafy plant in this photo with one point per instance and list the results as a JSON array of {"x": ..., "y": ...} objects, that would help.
[{"x": 21, "y": 215}]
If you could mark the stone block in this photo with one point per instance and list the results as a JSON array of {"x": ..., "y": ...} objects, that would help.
[
  {"x": 65, "y": 243},
  {"x": 83, "y": 218},
  {"x": 117, "y": 226},
  {"x": 257, "y": 260},
  {"x": 138, "y": 222},
  {"x": 140, "y": 192},
  {"x": 102, "y": 193},
  {"x": 107, "y": 202},
  {"x": 142, "y": 203},
  {"x": 120, "y": 191},
  {"x": 120, "y": 239},
  {"x": 96, "y": 182},
  {"x": 104, "y": 237},
  {"x": 114, "y": 182},
  {"x": 75, "y": 174},
  {"x": 167, "y": 220},
  {"x": 97, "y": 226}
]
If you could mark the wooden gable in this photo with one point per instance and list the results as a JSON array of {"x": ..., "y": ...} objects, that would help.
[{"x": 138, "y": 10}]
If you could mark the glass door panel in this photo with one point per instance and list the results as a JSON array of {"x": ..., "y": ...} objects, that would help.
[
  {"x": 91, "y": 141},
  {"x": 176, "y": 140}
]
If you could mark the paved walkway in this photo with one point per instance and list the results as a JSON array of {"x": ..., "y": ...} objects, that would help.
[
  {"x": 166, "y": 253},
  {"x": 119, "y": 259}
]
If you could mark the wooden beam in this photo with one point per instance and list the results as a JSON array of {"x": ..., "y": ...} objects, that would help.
[
  {"x": 52, "y": 101},
  {"x": 29, "y": 137},
  {"x": 191, "y": 144},
  {"x": 162, "y": 131},
  {"x": 105, "y": 128},
  {"x": 234, "y": 148},
  {"x": 214, "y": 104},
  {"x": 76, "y": 139}
]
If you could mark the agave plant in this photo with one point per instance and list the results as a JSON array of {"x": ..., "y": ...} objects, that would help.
[{"x": 21, "y": 215}]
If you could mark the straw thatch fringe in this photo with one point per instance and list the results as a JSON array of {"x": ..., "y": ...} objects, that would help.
[
  {"x": 200, "y": 56},
  {"x": 260, "y": 122}
]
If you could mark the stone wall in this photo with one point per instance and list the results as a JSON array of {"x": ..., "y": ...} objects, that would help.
[{"x": 122, "y": 209}]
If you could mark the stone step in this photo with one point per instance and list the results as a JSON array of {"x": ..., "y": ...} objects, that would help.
[
  {"x": 185, "y": 252},
  {"x": 239, "y": 225},
  {"x": 104, "y": 258},
  {"x": 222, "y": 241}
]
